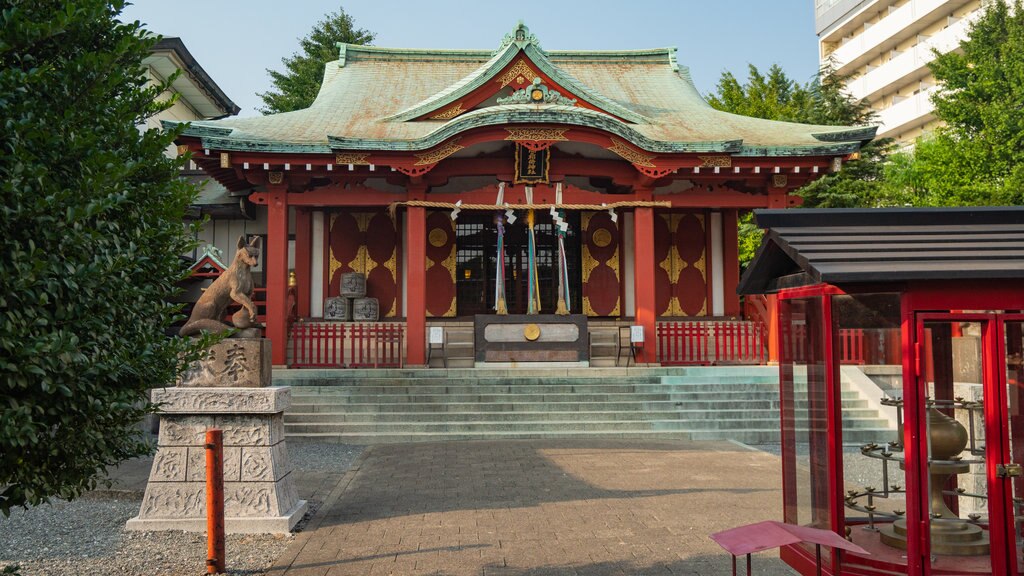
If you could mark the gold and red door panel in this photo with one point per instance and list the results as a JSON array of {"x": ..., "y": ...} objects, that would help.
[
  {"x": 440, "y": 275},
  {"x": 366, "y": 242},
  {"x": 680, "y": 276},
  {"x": 600, "y": 271}
]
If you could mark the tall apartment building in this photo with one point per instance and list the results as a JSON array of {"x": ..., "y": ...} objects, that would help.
[{"x": 885, "y": 47}]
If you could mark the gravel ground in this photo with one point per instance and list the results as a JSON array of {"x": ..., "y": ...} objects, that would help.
[{"x": 86, "y": 537}]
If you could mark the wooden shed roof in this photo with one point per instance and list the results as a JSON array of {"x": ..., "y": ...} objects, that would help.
[{"x": 838, "y": 247}]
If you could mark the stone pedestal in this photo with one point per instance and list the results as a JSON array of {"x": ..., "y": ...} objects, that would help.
[{"x": 259, "y": 491}]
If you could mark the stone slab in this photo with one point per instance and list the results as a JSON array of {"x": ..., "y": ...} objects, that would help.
[
  {"x": 232, "y": 524},
  {"x": 241, "y": 499},
  {"x": 232, "y": 362},
  {"x": 239, "y": 430},
  {"x": 223, "y": 400},
  {"x": 497, "y": 338}
]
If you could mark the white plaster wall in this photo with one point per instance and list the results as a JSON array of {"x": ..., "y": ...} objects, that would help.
[
  {"x": 628, "y": 263},
  {"x": 317, "y": 267},
  {"x": 717, "y": 266}
]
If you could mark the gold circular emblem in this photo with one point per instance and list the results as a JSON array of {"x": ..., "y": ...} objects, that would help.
[
  {"x": 438, "y": 237},
  {"x": 602, "y": 237},
  {"x": 537, "y": 95},
  {"x": 531, "y": 332}
]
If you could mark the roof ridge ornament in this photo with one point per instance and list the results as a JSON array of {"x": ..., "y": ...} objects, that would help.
[
  {"x": 537, "y": 93},
  {"x": 521, "y": 37}
]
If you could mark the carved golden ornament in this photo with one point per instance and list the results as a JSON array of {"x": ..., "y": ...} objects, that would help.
[
  {"x": 358, "y": 264},
  {"x": 616, "y": 311},
  {"x": 354, "y": 158},
  {"x": 518, "y": 73},
  {"x": 363, "y": 220},
  {"x": 613, "y": 263},
  {"x": 587, "y": 308},
  {"x": 534, "y": 134},
  {"x": 436, "y": 155},
  {"x": 585, "y": 217},
  {"x": 429, "y": 262},
  {"x": 701, "y": 265},
  {"x": 779, "y": 180},
  {"x": 632, "y": 154},
  {"x": 438, "y": 237},
  {"x": 275, "y": 177},
  {"x": 391, "y": 265},
  {"x": 602, "y": 237},
  {"x": 449, "y": 263},
  {"x": 334, "y": 265},
  {"x": 451, "y": 310},
  {"x": 715, "y": 161},
  {"x": 449, "y": 113},
  {"x": 674, "y": 309},
  {"x": 588, "y": 264},
  {"x": 531, "y": 332}
]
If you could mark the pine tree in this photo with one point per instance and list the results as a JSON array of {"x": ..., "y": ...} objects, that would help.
[{"x": 298, "y": 86}]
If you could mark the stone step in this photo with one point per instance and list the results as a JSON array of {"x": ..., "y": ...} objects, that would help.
[
  {"x": 395, "y": 437},
  {"x": 549, "y": 425},
  {"x": 726, "y": 395},
  {"x": 308, "y": 405},
  {"x": 555, "y": 388},
  {"x": 293, "y": 417}
]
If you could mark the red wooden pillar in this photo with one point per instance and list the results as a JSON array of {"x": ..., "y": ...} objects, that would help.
[
  {"x": 416, "y": 285},
  {"x": 643, "y": 279},
  {"x": 731, "y": 261},
  {"x": 277, "y": 272},
  {"x": 774, "y": 337},
  {"x": 303, "y": 260}
]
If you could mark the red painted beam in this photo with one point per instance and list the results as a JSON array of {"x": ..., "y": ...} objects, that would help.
[{"x": 277, "y": 272}]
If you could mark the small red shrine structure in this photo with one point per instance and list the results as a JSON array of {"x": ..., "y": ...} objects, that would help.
[
  {"x": 944, "y": 492},
  {"x": 401, "y": 165}
]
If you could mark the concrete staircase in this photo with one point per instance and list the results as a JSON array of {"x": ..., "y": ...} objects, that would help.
[{"x": 699, "y": 403}]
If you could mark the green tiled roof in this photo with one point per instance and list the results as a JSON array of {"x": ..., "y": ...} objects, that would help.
[{"x": 371, "y": 96}]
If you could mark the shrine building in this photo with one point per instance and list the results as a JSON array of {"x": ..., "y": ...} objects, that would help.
[{"x": 598, "y": 183}]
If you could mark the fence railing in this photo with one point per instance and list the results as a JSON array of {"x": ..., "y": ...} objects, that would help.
[
  {"x": 706, "y": 343},
  {"x": 856, "y": 345},
  {"x": 346, "y": 345}
]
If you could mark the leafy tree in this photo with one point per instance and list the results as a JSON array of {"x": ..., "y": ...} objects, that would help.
[
  {"x": 90, "y": 233},
  {"x": 298, "y": 86},
  {"x": 977, "y": 157},
  {"x": 822, "y": 101}
]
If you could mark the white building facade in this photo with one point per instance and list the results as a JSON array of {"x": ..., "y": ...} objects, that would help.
[{"x": 885, "y": 46}]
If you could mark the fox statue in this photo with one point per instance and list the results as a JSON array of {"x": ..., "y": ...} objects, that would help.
[{"x": 236, "y": 284}]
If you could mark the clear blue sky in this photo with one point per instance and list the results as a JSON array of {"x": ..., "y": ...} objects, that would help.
[{"x": 235, "y": 41}]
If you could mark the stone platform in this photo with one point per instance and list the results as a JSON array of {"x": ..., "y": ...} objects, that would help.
[{"x": 259, "y": 492}]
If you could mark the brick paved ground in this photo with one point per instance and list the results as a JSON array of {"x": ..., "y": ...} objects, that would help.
[{"x": 539, "y": 508}]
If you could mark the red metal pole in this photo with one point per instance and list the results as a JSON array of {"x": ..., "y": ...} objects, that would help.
[{"x": 214, "y": 501}]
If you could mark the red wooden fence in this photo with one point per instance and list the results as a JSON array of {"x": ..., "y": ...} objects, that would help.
[
  {"x": 707, "y": 343},
  {"x": 856, "y": 345},
  {"x": 346, "y": 345}
]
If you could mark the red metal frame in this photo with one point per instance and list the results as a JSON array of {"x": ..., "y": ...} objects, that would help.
[{"x": 921, "y": 303}]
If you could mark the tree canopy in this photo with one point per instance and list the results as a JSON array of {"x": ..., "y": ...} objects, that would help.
[
  {"x": 824, "y": 101},
  {"x": 297, "y": 87},
  {"x": 977, "y": 156},
  {"x": 90, "y": 233}
]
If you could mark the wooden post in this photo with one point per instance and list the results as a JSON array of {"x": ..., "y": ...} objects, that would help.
[
  {"x": 731, "y": 261},
  {"x": 416, "y": 286},
  {"x": 276, "y": 270},
  {"x": 303, "y": 260},
  {"x": 214, "y": 501},
  {"x": 643, "y": 279}
]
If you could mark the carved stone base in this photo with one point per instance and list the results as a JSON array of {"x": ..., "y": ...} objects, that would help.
[
  {"x": 232, "y": 525},
  {"x": 259, "y": 492}
]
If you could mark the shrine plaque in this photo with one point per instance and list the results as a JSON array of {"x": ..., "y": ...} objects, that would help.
[{"x": 353, "y": 284}]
